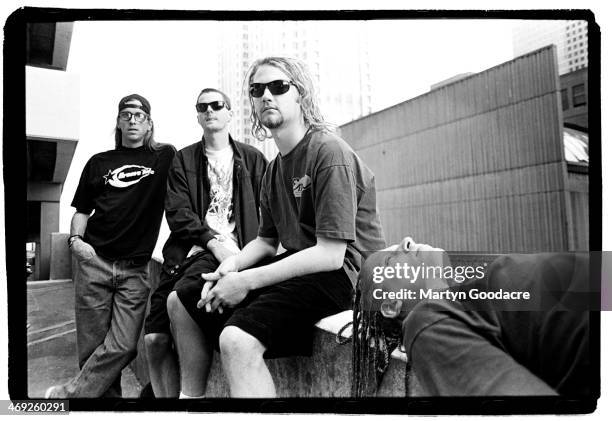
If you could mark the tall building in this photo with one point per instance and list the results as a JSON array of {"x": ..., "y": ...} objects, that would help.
[
  {"x": 569, "y": 36},
  {"x": 335, "y": 52},
  {"x": 575, "y": 99},
  {"x": 52, "y": 134}
]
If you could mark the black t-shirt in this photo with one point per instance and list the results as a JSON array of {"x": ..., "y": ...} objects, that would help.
[
  {"x": 321, "y": 188},
  {"x": 125, "y": 188}
]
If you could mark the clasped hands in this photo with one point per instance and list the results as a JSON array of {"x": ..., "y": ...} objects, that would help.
[{"x": 225, "y": 287}]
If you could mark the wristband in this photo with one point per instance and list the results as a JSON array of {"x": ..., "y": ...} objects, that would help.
[{"x": 73, "y": 238}]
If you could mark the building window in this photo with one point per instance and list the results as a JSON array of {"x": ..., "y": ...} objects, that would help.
[
  {"x": 564, "y": 101},
  {"x": 578, "y": 95}
]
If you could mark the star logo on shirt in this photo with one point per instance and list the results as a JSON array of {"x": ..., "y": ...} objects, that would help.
[{"x": 108, "y": 176}]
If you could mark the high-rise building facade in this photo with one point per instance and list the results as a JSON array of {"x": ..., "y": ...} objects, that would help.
[
  {"x": 569, "y": 36},
  {"x": 335, "y": 52}
]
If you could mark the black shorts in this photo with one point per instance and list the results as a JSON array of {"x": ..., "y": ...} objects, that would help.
[
  {"x": 157, "y": 320},
  {"x": 281, "y": 316}
]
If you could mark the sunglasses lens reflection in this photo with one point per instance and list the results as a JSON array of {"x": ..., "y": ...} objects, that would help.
[
  {"x": 276, "y": 87},
  {"x": 215, "y": 105}
]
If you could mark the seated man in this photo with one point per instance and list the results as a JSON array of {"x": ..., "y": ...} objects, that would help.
[
  {"x": 318, "y": 199},
  {"x": 212, "y": 211},
  {"x": 461, "y": 344}
]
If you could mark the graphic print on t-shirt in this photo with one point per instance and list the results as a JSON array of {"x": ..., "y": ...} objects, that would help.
[
  {"x": 127, "y": 175},
  {"x": 220, "y": 210},
  {"x": 300, "y": 184}
]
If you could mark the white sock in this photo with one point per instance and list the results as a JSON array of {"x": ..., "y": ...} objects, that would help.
[{"x": 184, "y": 396}]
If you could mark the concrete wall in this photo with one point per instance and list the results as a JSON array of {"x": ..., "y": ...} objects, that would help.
[
  {"x": 61, "y": 47},
  {"x": 61, "y": 258},
  {"x": 578, "y": 186},
  {"x": 49, "y": 223},
  {"x": 476, "y": 165}
]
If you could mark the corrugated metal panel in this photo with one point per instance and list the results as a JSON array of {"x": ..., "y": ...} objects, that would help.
[{"x": 476, "y": 165}]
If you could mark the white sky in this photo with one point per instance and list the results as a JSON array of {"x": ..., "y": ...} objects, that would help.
[{"x": 170, "y": 62}]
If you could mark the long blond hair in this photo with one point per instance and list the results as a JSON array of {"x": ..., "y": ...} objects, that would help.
[{"x": 298, "y": 72}]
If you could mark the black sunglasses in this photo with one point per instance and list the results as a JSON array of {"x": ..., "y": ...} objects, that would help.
[
  {"x": 215, "y": 105},
  {"x": 276, "y": 87}
]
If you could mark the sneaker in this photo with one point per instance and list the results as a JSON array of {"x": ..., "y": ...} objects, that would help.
[{"x": 55, "y": 392}]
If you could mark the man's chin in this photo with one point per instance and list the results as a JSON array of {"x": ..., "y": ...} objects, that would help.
[
  {"x": 134, "y": 138},
  {"x": 272, "y": 123},
  {"x": 214, "y": 128}
]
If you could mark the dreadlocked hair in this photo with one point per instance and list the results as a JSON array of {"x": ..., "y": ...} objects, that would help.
[{"x": 374, "y": 339}]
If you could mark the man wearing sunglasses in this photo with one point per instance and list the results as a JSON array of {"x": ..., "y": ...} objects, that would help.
[
  {"x": 318, "y": 201},
  {"x": 125, "y": 189},
  {"x": 212, "y": 211}
]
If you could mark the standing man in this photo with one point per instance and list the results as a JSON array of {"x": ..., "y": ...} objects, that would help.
[
  {"x": 318, "y": 200},
  {"x": 125, "y": 188},
  {"x": 212, "y": 211}
]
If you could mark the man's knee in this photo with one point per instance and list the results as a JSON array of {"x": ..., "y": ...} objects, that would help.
[
  {"x": 235, "y": 342},
  {"x": 157, "y": 344},
  {"x": 173, "y": 304}
]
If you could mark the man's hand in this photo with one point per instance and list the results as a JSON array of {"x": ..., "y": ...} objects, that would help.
[
  {"x": 82, "y": 250},
  {"x": 204, "y": 294},
  {"x": 222, "y": 253},
  {"x": 229, "y": 291},
  {"x": 219, "y": 250},
  {"x": 227, "y": 266}
]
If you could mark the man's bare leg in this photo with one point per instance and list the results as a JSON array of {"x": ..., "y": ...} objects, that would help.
[
  {"x": 194, "y": 352},
  {"x": 163, "y": 365},
  {"x": 244, "y": 366}
]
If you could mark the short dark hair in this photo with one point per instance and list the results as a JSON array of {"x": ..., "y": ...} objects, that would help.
[{"x": 225, "y": 97}]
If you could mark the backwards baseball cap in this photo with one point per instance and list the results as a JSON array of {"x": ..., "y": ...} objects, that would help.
[{"x": 146, "y": 107}]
